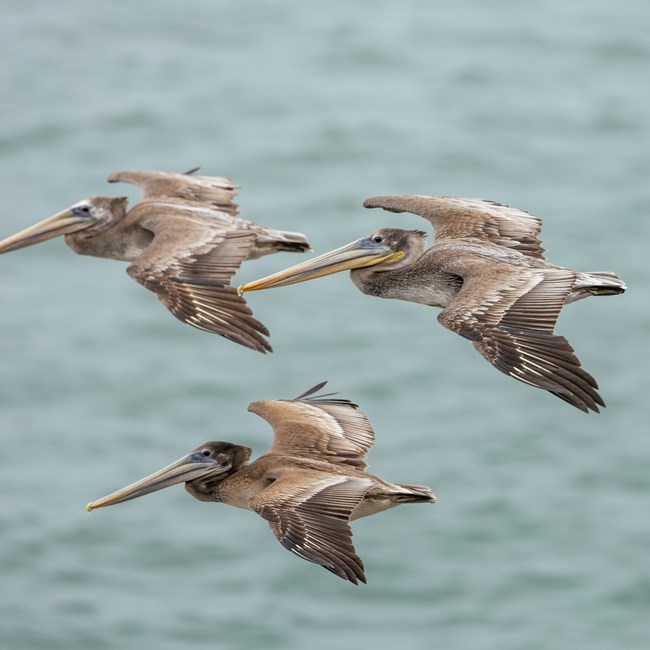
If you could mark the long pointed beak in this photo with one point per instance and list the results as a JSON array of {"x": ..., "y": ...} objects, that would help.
[
  {"x": 60, "y": 224},
  {"x": 184, "y": 469},
  {"x": 356, "y": 255}
]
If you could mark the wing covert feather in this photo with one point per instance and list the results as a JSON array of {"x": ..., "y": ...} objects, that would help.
[
  {"x": 189, "y": 268},
  {"x": 216, "y": 191},
  {"x": 332, "y": 430},
  {"x": 309, "y": 513},
  {"x": 471, "y": 219},
  {"x": 512, "y": 325}
]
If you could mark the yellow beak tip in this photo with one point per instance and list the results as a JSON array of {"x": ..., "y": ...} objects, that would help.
[{"x": 89, "y": 507}]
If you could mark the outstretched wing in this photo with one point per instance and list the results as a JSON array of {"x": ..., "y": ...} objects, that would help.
[
  {"x": 332, "y": 430},
  {"x": 473, "y": 219},
  {"x": 214, "y": 191},
  {"x": 511, "y": 322},
  {"x": 309, "y": 512},
  {"x": 189, "y": 266}
]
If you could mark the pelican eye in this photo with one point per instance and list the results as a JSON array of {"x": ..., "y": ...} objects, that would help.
[
  {"x": 85, "y": 209},
  {"x": 378, "y": 239},
  {"x": 206, "y": 453}
]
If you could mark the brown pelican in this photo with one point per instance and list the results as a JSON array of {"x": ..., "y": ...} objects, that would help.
[
  {"x": 184, "y": 240},
  {"x": 309, "y": 485},
  {"x": 486, "y": 269}
]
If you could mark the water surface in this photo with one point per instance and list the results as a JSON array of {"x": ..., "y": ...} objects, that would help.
[{"x": 541, "y": 535}]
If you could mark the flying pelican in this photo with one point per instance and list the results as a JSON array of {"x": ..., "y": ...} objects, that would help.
[
  {"x": 184, "y": 240},
  {"x": 309, "y": 485},
  {"x": 486, "y": 270}
]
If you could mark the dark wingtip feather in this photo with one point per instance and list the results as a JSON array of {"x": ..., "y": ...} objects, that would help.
[
  {"x": 579, "y": 404},
  {"x": 311, "y": 391},
  {"x": 354, "y": 574},
  {"x": 310, "y": 396},
  {"x": 294, "y": 246}
]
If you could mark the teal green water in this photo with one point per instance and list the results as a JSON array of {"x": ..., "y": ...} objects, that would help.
[{"x": 541, "y": 536}]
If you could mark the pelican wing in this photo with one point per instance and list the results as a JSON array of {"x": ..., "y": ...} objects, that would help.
[
  {"x": 332, "y": 430},
  {"x": 474, "y": 219},
  {"x": 189, "y": 267},
  {"x": 215, "y": 191},
  {"x": 309, "y": 512},
  {"x": 511, "y": 323}
]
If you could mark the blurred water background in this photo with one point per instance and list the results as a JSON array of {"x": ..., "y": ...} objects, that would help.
[{"x": 541, "y": 536}]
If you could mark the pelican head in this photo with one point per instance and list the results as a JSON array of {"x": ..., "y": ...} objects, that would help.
[
  {"x": 90, "y": 215},
  {"x": 200, "y": 470},
  {"x": 389, "y": 247}
]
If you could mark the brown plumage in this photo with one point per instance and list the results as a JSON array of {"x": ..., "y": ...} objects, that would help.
[
  {"x": 486, "y": 269},
  {"x": 309, "y": 485},
  {"x": 184, "y": 239}
]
